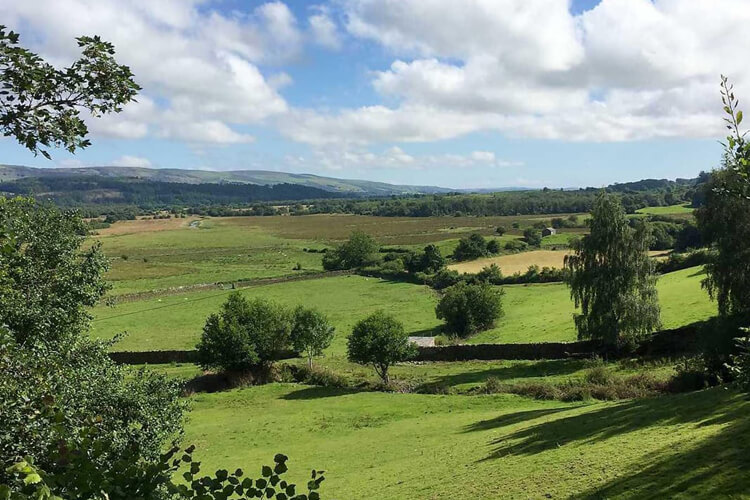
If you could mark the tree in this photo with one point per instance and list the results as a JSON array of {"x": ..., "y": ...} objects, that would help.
[
  {"x": 473, "y": 247},
  {"x": 612, "y": 279},
  {"x": 428, "y": 261},
  {"x": 501, "y": 230},
  {"x": 49, "y": 280},
  {"x": 41, "y": 105},
  {"x": 493, "y": 246},
  {"x": 379, "y": 340},
  {"x": 311, "y": 333},
  {"x": 359, "y": 251},
  {"x": 724, "y": 218},
  {"x": 470, "y": 308},
  {"x": 244, "y": 335},
  {"x": 532, "y": 237}
]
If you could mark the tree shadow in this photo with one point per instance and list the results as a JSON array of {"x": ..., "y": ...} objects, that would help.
[
  {"x": 316, "y": 392},
  {"x": 516, "y": 370},
  {"x": 715, "y": 466},
  {"x": 513, "y": 418}
]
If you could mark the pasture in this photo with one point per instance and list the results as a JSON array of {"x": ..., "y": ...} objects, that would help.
[
  {"x": 668, "y": 210},
  {"x": 389, "y": 445},
  {"x": 160, "y": 254},
  {"x": 533, "y": 313}
]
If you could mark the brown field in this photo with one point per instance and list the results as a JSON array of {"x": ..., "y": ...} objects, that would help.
[
  {"x": 145, "y": 226},
  {"x": 519, "y": 262}
]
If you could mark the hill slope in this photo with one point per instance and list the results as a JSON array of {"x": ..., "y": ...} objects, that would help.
[{"x": 9, "y": 173}]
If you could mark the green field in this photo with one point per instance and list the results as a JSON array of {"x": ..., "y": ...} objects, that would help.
[
  {"x": 160, "y": 254},
  {"x": 684, "y": 208},
  {"x": 385, "y": 445},
  {"x": 533, "y": 313}
]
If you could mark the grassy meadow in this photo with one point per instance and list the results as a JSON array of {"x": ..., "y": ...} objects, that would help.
[
  {"x": 389, "y": 445},
  {"x": 533, "y": 313},
  {"x": 170, "y": 253}
]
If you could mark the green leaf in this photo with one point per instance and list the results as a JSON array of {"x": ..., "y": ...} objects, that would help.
[
  {"x": 739, "y": 117},
  {"x": 32, "y": 478}
]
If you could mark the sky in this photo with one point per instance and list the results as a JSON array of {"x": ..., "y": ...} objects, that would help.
[{"x": 462, "y": 94}]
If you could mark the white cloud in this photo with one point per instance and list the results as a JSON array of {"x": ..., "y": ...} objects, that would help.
[
  {"x": 197, "y": 67},
  {"x": 625, "y": 70},
  {"x": 131, "y": 161},
  {"x": 393, "y": 157},
  {"x": 324, "y": 31}
]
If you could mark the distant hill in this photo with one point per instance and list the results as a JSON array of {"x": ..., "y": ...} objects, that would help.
[{"x": 351, "y": 187}]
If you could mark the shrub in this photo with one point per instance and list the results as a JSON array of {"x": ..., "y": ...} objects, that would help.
[
  {"x": 444, "y": 279},
  {"x": 379, "y": 340},
  {"x": 473, "y": 247},
  {"x": 501, "y": 230},
  {"x": 311, "y": 333},
  {"x": 493, "y": 246},
  {"x": 245, "y": 334},
  {"x": 491, "y": 274},
  {"x": 467, "y": 309},
  {"x": 359, "y": 251},
  {"x": 532, "y": 237},
  {"x": 515, "y": 245},
  {"x": 320, "y": 376}
]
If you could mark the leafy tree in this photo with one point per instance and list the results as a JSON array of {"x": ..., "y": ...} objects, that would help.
[
  {"x": 311, "y": 333},
  {"x": 359, "y": 251},
  {"x": 41, "y": 105},
  {"x": 470, "y": 308},
  {"x": 490, "y": 274},
  {"x": 245, "y": 334},
  {"x": 48, "y": 279},
  {"x": 532, "y": 237},
  {"x": 493, "y": 246},
  {"x": 612, "y": 279},
  {"x": 473, "y": 247},
  {"x": 379, "y": 340},
  {"x": 501, "y": 230},
  {"x": 724, "y": 219},
  {"x": 430, "y": 260}
]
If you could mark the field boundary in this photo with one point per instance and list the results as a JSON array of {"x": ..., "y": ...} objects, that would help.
[
  {"x": 663, "y": 343},
  {"x": 224, "y": 285}
]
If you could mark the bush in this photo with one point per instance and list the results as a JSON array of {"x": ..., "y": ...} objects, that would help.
[
  {"x": 501, "y": 230},
  {"x": 444, "y": 278},
  {"x": 473, "y": 247},
  {"x": 467, "y": 309},
  {"x": 532, "y": 237},
  {"x": 359, "y": 251},
  {"x": 320, "y": 376},
  {"x": 515, "y": 245},
  {"x": 493, "y": 246},
  {"x": 490, "y": 274},
  {"x": 379, "y": 340},
  {"x": 245, "y": 334}
]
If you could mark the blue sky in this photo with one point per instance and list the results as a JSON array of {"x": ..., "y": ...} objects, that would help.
[{"x": 481, "y": 93}]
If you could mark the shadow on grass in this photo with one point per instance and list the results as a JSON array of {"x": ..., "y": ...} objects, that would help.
[
  {"x": 716, "y": 466},
  {"x": 318, "y": 393},
  {"x": 516, "y": 370},
  {"x": 513, "y": 418}
]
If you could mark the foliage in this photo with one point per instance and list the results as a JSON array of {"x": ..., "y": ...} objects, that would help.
[
  {"x": 379, "y": 340},
  {"x": 532, "y": 237},
  {"x": 132, "y": 478},
  {"x": 42, "y": 105},
  {"x": 501, "y": 230},
  {"x": 740, "y": 363},
  {"x": 724, "y": 219},
  {"x": 245, "y": 334},
  {"x": 311, "y": 333},
  {"x": 491, "y": 274},
  {"x": 471, "y": 247},
  {"x": 467, "y": 309},
  {"x": 48, "y": 280},
  {"x": 612, "y": 279},
  {"x": 359, "y": 251},
  {"x": 493, "y": 247}
]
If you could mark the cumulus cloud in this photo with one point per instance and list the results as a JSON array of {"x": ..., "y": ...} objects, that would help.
[
  {"x": 199, "y": 67},
  {"x": 393, "y": 157},
  {"x": 624, "y": 70},
  {"x": 323, "y": 30},
  {"x": 131, "y": 161}
]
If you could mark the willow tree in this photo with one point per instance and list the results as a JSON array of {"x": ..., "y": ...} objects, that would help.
[{"x": 612, "y": 279}]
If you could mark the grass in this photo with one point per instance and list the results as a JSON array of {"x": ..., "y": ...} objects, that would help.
[
  {"x": 158, "y": 254},
  {"x": 683, "y": 208},
  {"x": 533, "y": 313},
  {"x": 381, "y": 445},
  {"x": 515, "y": 263}
]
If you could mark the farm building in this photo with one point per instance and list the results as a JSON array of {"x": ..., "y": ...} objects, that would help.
[{"x": 548, "y": 231}]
